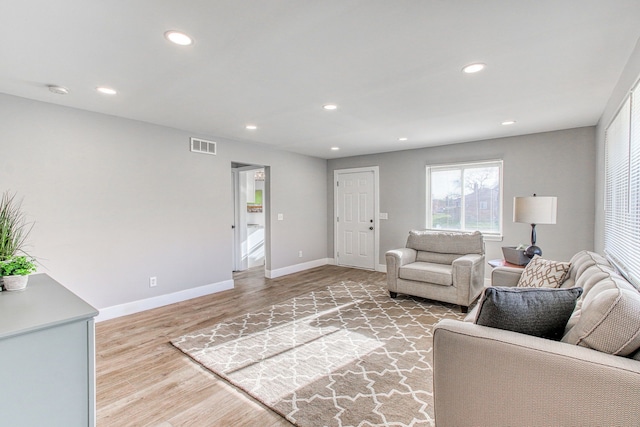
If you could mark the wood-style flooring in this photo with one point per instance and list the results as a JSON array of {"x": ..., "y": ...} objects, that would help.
[{"x": 142, "y": 380}]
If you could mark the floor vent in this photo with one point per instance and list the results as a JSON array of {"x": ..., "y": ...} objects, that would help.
[{"x": 203, "y": 146}]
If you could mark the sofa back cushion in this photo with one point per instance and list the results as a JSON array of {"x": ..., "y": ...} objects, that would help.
[
  {"x": 445, "y": 242},
  {"x": 608, "y": 316},
  {"x": 579, "y": 263}
]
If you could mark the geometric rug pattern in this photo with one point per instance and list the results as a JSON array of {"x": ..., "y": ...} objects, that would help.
[{"x": 347, "y": 355}]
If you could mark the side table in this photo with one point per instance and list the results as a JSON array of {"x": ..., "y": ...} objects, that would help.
[{"x": 502, "y": 263}]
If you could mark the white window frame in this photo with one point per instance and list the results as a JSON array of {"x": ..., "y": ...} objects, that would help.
[
  {"x": 622, "y": 187},
  {"x": 489, "y": 236}
]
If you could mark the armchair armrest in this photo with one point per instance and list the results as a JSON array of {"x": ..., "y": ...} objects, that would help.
[
  {"x": 492, "y": 377},
  {"x": 402, "y": 256},
  {"x": 469, "y": 260},
  {"x": 506, "y": 276},
  {"x": 396, "y": 258},
  {"x": 468, "y": 276}
]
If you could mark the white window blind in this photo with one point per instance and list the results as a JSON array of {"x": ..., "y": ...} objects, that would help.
[{"x": 622, "y": 188}]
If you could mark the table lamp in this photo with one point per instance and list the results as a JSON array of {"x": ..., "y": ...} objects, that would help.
[{"x": 534, "y": 210}]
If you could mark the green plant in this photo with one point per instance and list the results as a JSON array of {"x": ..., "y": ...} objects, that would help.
[
  {"x": 17, "y": 266},
  {"x": 14, "y": 228}
]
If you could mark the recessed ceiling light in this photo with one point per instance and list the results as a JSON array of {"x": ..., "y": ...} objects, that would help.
[
  {"x": 251, "y": 127},
  {"x": 106, "y": 90},
  {"x": 330, "y": 106},
  {"x": 335, "y": 148},
  {"x": 508, "y": 122},
  {"x": 402, "y": 139},
  {"x": 474, "y": 68},
  {"x": 58, "y": 89},
  {"x": 178, "y": 38}
]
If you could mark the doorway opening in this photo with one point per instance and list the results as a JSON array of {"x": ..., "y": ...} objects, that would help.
[{"x": 250, "y": 208}]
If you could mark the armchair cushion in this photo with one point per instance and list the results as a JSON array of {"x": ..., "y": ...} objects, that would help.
[
  {"x": 439, "y": 274},
  {"x": 541, "y": 312},
  {"x": 446, "y": 242},
  {"x": 543, "y": 273},
  {"x": 436, "y": 257}
]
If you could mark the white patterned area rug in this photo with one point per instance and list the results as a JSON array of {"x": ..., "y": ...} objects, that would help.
[{"x": 348, "y": 355}]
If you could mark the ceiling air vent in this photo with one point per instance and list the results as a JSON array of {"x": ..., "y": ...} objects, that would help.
[{"x": 203, "y": 146}]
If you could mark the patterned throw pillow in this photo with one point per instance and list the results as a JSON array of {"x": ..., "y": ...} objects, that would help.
[{"x": 543, "y": 273}]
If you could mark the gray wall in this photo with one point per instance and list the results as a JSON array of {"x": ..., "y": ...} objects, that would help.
[
  {"x": 560, "y": 163},
  {"x": 628, "y": 77},
  {"x": 116, "y": 201}
]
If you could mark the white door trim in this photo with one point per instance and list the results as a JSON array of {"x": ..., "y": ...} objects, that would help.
[
  {"x": 240, "y": 232},
  {"x": 376, "y": 211}
]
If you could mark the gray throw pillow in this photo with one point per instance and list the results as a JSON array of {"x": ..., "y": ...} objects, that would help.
[{"x": 541, "y": 312}]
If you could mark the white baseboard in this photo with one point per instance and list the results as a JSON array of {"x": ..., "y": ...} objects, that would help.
[
  {"x": 161, "y": 300},
  {"x": 380, "y": 267},
  {"x": 272, "y": 274}
]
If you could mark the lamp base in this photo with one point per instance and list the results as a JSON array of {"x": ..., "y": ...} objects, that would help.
[{"x": 532, "y": 251}]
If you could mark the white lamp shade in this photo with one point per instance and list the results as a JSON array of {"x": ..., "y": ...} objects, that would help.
[{"x": 535, "y": 210}]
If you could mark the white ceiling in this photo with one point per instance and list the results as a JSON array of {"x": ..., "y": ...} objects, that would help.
[{"x": 392, "y": 66}]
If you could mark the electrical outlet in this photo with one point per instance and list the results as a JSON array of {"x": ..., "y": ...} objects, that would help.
[
  {"x": 153, "y": 281},
  {"x": 299, "y": 254}
]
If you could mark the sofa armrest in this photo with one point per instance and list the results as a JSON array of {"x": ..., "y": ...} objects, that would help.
[
  {"x": 395, "y": 259},
  {"x": 491, "y": 377},
  {"x": 506, "y": 276}
]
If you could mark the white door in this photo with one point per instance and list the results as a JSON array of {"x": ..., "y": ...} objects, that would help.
[
  {"x": 355, "y": 219},
  {"x": 234, "y": 221}
]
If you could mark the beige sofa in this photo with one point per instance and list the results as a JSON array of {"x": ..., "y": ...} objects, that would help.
[
  {"x": 493, "y": 377},
  {"x": 442, "y": 266}
]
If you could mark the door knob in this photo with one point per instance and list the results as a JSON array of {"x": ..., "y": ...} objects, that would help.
[{"x": 370, "y": 228}]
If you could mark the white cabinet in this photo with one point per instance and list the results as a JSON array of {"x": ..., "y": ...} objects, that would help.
[{"x": 47, "y": 351}]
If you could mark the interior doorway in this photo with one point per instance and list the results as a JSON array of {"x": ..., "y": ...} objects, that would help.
[{"x": 250, "y": 227}]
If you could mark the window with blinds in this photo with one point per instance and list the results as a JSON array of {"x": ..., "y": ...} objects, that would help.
[{"x": 622, "y": 188}]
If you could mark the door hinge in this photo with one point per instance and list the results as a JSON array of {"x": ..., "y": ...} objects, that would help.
[
  {"x": 337, "y": 183},
  {"x": 338, "y": 219}
]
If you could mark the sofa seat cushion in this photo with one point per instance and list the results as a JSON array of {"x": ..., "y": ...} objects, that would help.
[
  {"x": 428, "y": 272},
  {"x": 608, "y": 318}
]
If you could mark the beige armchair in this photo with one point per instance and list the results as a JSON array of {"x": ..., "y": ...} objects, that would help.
[{"x": 442, "y": 266}]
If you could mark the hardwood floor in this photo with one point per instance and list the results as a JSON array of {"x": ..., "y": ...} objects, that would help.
[{"x": 142, "y": 380}]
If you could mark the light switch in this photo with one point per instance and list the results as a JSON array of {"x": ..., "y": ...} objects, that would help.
[
  {"x": 384, "y": 215},
  {"x": 280, "y": 217}
]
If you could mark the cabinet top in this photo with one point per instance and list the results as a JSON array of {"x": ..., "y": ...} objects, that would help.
[{"x": 43, "y": 304}]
